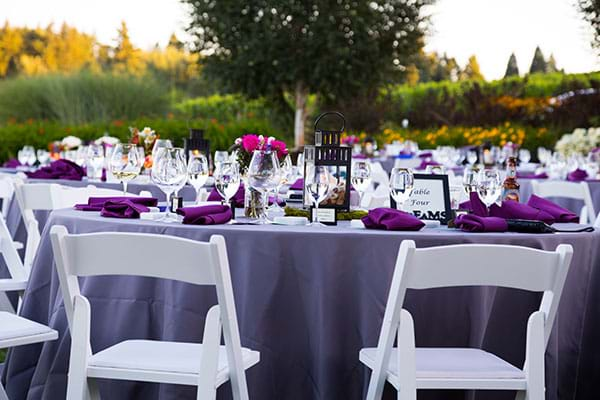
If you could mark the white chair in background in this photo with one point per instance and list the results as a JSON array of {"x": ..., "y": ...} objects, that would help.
[
  {"x": 409, "y": 368},
  {"x": 206, "y": 365},
  {"x": 19, "y": 275},
  {"x": 7, "y": 190},
  {"x": 569, "y": 190},
  {"x": 33, "y": 197},
  {"x": 18, "y": 331}
]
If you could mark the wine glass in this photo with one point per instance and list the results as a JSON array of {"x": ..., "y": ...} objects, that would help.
[
  {"x": 489, "y": 186},
  {"x": 470, "y": 176},
  {"x": 318, "y": 185},
  {"x": 125, "y": 164},
  {"x": 361, "y": 178},
  {"x": 472, "y": 157},
  {"x": 23, "y": 157},
  {"x": 43, "y": 156},
  {"x": 220, "y": 156},
  {"x": 402, "y": 182},
  {"x": 264, "y": 175},
  {"x": 287, "y": 174},
  {"x": 435, "y": 170},
  {"x": 28, "y": 156},
  {"x": 300, "y": 164},
  {"x": 160, "y": 144},
  {"x": 524, "y": 156},
  {"x": 197, "y": 172},
  {"x": 95, "y": 161},
  {"x": 169, "y": 173},
  {"x": 81, "y": 155},
  {"x": 227, "y": 179}
]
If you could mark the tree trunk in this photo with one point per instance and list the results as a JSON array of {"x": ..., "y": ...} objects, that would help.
[{"x": 301, "y": 97}]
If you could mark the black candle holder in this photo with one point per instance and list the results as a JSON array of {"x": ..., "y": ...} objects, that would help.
[{"x": 196, "y": 143}]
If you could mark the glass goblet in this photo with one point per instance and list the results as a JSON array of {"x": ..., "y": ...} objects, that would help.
[
  {"x": 264, "y": 175},
  {"x": 125, "y": 164},
  {"x": 287, "y": 174},
  {"x": 227, "y": 180},
  {"x": 489, "y": 186},
  {"x": 169, "y": 173},
  {"x": 95, "y": 161},
  {"x": 220, "y": 156},
  {"x": 470, "y": 180},
  {"x": 361, "y": 178},
  {"x": 402, "y": 183},
  {"x": 197, "y": 172},
  {"x": 318, "y": 185}
]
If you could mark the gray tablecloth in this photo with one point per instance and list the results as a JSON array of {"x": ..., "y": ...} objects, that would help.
[{"x": 308, "y": 299}]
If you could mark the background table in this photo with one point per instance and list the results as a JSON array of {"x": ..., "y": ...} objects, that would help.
[{"x": 308, "y": 299}]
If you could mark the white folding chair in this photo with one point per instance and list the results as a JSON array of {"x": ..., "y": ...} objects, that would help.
[
  {"x": 18, "y": 331},
  {"x": 33, "y": 197},
  {"x": 569, "y": 190},
  {"x": 408, "y": 368},
  {"x": 206, "y": 365},
  {"x": 19, "y": 275},
  {"x": 7, "y": 190}
]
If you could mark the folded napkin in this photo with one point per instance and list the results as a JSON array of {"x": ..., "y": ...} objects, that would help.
[
  {"x": 391, "y": 220},
  {"x": 577, "y": 176},
  {"x": 559, "y": 213},
  {"x": 514, "y": 210},
  {"x": 59, "y": 169},
  {"x": 475, "y": 223},
  {"x": 298, "y": 185},
  {"x": 98, "y": 203},
  {"x": 541, "y": 175},
  {"x": 475, "y": 205},
  {"x": 123, "y": 209},
  {"x": 359, "y": 156},
  {"x": 424, "y": 164},
  {"x": 238, "y": 198},
  {"x": 205, "y": 215},
  {"x": 426, "y": 154},
  {"x": 12, "y": 163}
]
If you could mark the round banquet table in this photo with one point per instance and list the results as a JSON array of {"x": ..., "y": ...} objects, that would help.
[{"x": 309, "y": 298}]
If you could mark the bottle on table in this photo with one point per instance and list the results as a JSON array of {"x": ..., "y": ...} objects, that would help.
[{"x": 510, "y": 187}]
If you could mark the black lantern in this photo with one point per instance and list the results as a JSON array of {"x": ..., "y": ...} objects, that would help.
[
  {"x": 328, "y": 151},
  {"x": 196, "y": 143}
]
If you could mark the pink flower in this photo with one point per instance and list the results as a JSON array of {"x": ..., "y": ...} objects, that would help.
[
  {"x": 250, "y": 143},
  {"x": 280, "y": 147}
]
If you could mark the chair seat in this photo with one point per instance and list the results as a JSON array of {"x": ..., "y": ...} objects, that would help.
[
  {"x": 16, "y": 331},
  {"x": 144, "y": 360},
  {"x": 454, "y": 365}
]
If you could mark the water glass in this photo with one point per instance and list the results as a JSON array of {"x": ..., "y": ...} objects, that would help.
[
  {"x": 472, "y": 157},
  {"x": 524, "y": 156},
  {"x": 169, "y": 173},
  {"x": 43, "y": 157},
  {"x": 160, "y": 144},
  {"x": 227, "y": 179},
  {"x": 95, "y": 161},
  {"x": 402, "y": 183},
  {"x": 361, "y": 178},
  {"x": 264, "y": 176},
  {"x": 287, "y": 175},
  {"x": 220, "y": 156},
  {"x": 197, "y": 172},
  {"x": 470, "y": 176},
  {"x": 125, "y": 164},
  {"x": 318, "y": 185},
  {"x": 489, "y": 186}
]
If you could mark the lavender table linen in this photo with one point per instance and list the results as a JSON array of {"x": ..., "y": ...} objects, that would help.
[{"x": 308, "y": 299}]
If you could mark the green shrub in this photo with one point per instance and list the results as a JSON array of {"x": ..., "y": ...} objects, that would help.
[
  {"x": 80, "y": 98},
  {"x": 223, "y": 108}
]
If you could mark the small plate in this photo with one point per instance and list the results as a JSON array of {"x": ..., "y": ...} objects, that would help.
[{"x": 290, "y": 220}]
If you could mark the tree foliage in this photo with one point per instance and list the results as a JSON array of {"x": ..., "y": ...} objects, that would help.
[
  {"x": 512, "y": 69},
  {"x": 538, "y": 64},
  {"x": 591, "y": 13},
  {"x": 472, "y": 70}
]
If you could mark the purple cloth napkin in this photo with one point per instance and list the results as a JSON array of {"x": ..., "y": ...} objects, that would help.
[
  {"x": 577, "y": 176},
  {"x": 359, "y": 156},
  {"x": 391, "y": 220},
  {"x": 12, "y": 163},
  {"x": 238, "y": 198},
  {"x": 541, "y": 175},
  {"x": 123, "y": 209},
  {"x": 424, "y": 164},
  {"x": 475, "y": 223},
  {"x": 426, "y": 154},
  {"x": 97, "y": 203},
  {"x": 59, "y": 169},
  {"x": 475, "y": 205},
  {"x": 298, "y": 185},
  {"x": 205, "y": 215},
  {"x": 560, "y": 214},
  {"x": 514, "y": 210}
]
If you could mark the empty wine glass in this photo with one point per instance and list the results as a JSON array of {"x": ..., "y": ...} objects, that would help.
[
  {"x": 472, "y": 157},
  {"x": 361, "y": 178},
  {"x": 160, "y": 144},
  {"x": 28, "y": 156},
  {"x": 524, "y": 156},
  {"x": 197, "y": 172},
  {"x": 402, "y": 182},
  {"x": 470, "y": 176},
  {"x": 81, "y": 155},
  {"x": 227, "y": 179},
  {"x": 287, "y": 174},
  {"x": 169, "y": 173},
  {"x": 23, "y": 157},
  {"x": 125, "y": 163},
  {"x": 43, "y": 156},
  {"x": 95, "y": 161},
  {"x": 489, "y": 186},
  {"x": 318, "y": 185},
  {"x": 300, "y": 164},
  {"x": 220, "y": 156},
  {"x": 264, "y": 175}
]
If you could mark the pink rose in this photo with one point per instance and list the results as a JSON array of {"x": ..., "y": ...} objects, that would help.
[
  {"x": 280, "y": 147},
  {"x": 250, "y": 142}
]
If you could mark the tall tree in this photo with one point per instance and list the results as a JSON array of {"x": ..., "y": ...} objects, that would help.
[
  {"x": 472, "y": 70},
  {"x": 127, "y": 58},
  {"x": 591, "y": 13},
  {"x": 538, "y": 64},
  {"x": 512, "y": 69},
  {"x": 551, "y": 67},
  {"x": 329, "y": 48}
]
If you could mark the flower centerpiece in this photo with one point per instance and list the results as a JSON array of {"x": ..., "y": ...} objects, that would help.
[
  {"x": 68, "y": 143},
  {"x": 244, "y": 148},
  {"x": 145, "y": 139},
  {"x": 580, "y": 141}
]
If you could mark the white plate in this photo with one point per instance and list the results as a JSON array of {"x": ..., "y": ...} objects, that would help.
[{"x": 290, "y": 220}]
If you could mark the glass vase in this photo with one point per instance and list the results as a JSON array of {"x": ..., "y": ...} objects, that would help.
[{"x": 254, "y": 202}]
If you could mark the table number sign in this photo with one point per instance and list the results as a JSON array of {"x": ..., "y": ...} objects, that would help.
[{"x": 430, "y": 198}]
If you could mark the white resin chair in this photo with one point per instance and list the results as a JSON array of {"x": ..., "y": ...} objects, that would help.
[
  {"x": 206, "y": 365},
  {"x": 569, "y": 190},
  {"x": 18, "y": 331},
  {"x": 33, "y": 197},
  {"x": 7, "y": 190},
  {"x": 408, "y": 368},
  {"x": 19, "y": 275}
]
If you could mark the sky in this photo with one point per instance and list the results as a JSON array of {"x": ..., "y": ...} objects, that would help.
[{"x": 490, "y": 29}]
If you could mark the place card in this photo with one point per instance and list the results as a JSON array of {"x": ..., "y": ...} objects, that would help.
[
  {"x": 327, "y": 216},
  {"x": 430, "y": 198}
]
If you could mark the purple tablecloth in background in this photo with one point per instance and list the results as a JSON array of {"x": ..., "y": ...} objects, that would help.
[{"x": 308, "y": 299}]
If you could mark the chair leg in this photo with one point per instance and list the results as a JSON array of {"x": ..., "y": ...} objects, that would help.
[
  {"x": 521, "y": 395},
  {"x": 207, "y": 394},
  {"x": 92, "y": 389},
  {"x": 3, "y": 395}
]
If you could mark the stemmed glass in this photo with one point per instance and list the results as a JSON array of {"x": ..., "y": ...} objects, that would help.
[
  {"x": 169, "y": 173},
  {"x": 160, "y": 144},
  {"x": 361, "y": 178},
  {"x": 402, "y": 182},
  {"x": 125, "y": 164},
  {"x": 81, "y": 155},
  {"x": 264, "y": 175},
  {"x": 27, "y": 156},
  {"x": 472, "y": 157},
  {"x": 318, "y": 185},
  {"x": 470, "y": 180},
  {"x": 43, "y": 156},
  {"x": 197, "y": 172},
  {"x": 524, "y": 156},
  {"x": 287, "y": 174},
  {"x": 220, "y": 156},
  {"x": 95, "y": 161},
  {"x": 489, "y": 186},
  {"x": 227, "y": 179}
]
